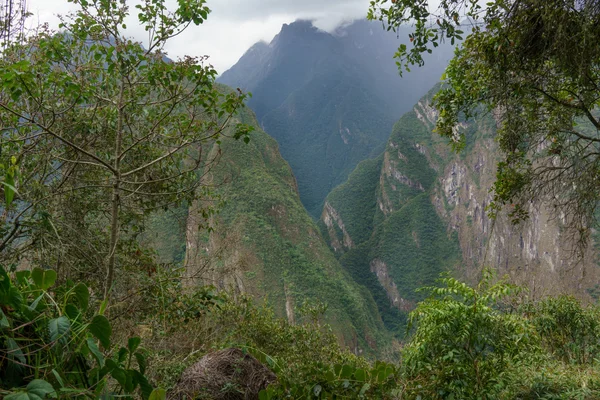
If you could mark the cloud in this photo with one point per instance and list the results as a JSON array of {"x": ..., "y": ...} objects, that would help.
[{"x": 233, "y": 25}]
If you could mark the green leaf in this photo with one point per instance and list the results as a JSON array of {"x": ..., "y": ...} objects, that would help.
[
  {"x": 142, "y": 363},
  {"x": 346, "y": 371},
  {"x": 22, "y": 276},
  {"x": 72, "y": 312},
  {"x": 93, "y": 348},
  {"x": 120, "y": 376},
  {"x": 9, "y": 188},
  {"x": 14, "y": 351},
  {"x": 43, "y": 279},
  {"x": 158, "y": 394},
  {"x": 360, "y": 375},
  {"x": 4, "y": 323},
  {"x": 101, "y": 329},
  {"x": 82, "y": 294},
  {"x": 122, "y": 354},
  {"x": 133, "y": 343},
  {"x": 58, "y": 378},
  {"x": 37, "y": 389},
  {"x": 5, "y": 284},
  {"x": 35, "y": 303},
  {"x": 59, "y": 329},
  {"x": 145, "y": 387}
]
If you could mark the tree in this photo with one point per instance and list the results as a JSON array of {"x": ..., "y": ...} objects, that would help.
[
  {"x": 535, "y": 65},
  {"x": 99, "y": 131},
  {"x": 12, "y": 20}
]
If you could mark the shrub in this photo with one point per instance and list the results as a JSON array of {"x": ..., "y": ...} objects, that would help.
[{"x": 464, "y": 345}]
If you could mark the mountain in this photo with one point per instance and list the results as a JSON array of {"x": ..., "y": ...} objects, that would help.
[
  {"x": 330, "y": 99},
  {"x": 419, "y": 209},
  {"x": 263, "y": 243}
]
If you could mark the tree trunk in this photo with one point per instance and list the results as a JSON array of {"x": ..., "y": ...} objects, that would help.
[{"x": 114, "y": 223}]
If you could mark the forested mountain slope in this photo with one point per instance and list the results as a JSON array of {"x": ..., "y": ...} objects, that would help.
[
  {"x": 263, "y": 243},
  {"x": 419, "y": 209},
  {"x": 330, "y": 99}
]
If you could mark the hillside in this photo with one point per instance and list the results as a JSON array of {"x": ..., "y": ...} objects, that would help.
[
  {"x": 419, "y": 209},
  {"x": 263, "y": 243},
  {"x": 329, "y": 99}
]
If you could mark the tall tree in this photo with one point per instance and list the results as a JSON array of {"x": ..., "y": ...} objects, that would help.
[
  {"x": 98, "y": 131},
  {"x": 536, "y": 65}
]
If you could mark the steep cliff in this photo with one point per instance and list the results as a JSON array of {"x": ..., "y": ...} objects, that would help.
[
  {"x": 420, "y": 209},
  {"x": 263, "y": 243}
]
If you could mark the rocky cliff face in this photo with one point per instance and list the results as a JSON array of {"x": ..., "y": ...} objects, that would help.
[{"x": 429, "y": 213}]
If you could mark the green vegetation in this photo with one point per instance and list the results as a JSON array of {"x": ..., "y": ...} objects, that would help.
[
  {"x": 386, "y": 209},
  {"x": 126, "y": 188},
  {"x": 51, "y": 340},
  {"x": 86, "y": 164},
  {"x": 531, "y": 63},
  {"x": 283, "y": 255}
]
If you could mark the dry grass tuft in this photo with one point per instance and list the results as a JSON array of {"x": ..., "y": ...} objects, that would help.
[{"x": 228, "y": 374}]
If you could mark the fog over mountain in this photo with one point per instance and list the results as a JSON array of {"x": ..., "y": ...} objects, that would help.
[{"x": 330, "y": 99}]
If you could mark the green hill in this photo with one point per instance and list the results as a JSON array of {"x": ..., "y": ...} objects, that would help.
[{"x": 264, "y": 243}]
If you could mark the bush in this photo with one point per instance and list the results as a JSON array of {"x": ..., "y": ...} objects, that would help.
[
  {"x": 569, "y": 331},
  {"x": 464, "y": 345}
]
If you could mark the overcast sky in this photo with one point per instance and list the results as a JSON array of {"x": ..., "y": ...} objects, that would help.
[{"x": 233, "y": 26}]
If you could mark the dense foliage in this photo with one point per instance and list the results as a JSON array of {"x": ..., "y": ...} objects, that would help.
[
  {"x": 112, "y": 152},
  {"x": 530, "y": 62},
  {"x": 99, "y": 132},
  {"x": 51, "y": 339},
  {"x": 264, "y": 243}
]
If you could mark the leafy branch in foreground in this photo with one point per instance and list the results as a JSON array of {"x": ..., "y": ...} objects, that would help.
[
  {"x": 51, "y": 334},
  {"x": 103, "y": 132},
  {"x": 534, "y": 65}
]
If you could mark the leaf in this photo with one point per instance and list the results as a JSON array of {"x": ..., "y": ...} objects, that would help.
[
  {"x": 346, "y": 371},
  {"x": 9, "y": 188},
  {"x": 133, "y": 343},
  {"x": 360, "y": 375},
  {"x": 59, "y": 328},
  {"x": 58, "y": 378},
  {"x": 14, "y": 351},
  {"x": 35, "y": 303},
  {"x": 4, "y": 323},
  {"x": 142, "y": 363},
  {"x": 122, "y": 355},
  {"x": 82, "y": 294},
  {"x": 93, "y": 348},
  {"x": 120, "y": 376},
  {"x": 145, "y": 387},
  {"x": 37, "y": 389},
  {"x": 72, "y": 312},
  {"x": 364, "y": 389},
  {"x": 43, "y": 279},
  {"x": 158, "y": 394},
  {"x": 100, "y": 328},
  {"x": 22, "y": 276}
]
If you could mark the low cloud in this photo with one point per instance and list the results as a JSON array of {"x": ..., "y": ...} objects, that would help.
[{"x": 233, "y": 25}]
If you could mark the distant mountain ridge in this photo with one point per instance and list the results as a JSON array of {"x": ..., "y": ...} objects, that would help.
[{"x": 330, "y": 99}]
